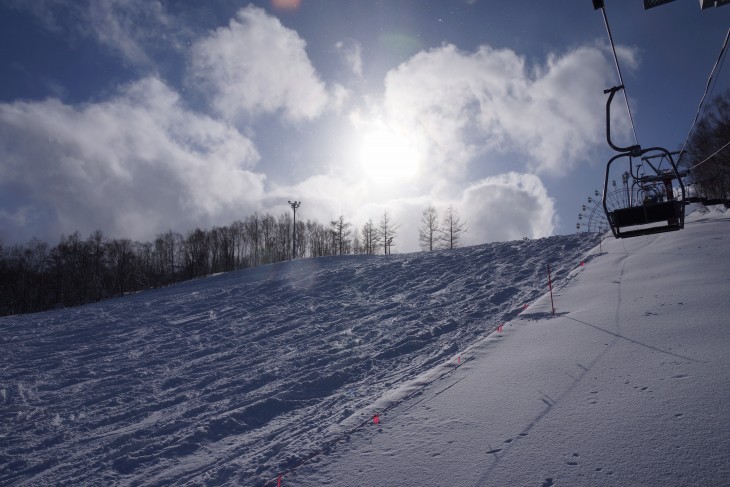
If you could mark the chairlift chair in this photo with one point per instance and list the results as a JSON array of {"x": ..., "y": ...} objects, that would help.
[{"x": 651, "y": 203}]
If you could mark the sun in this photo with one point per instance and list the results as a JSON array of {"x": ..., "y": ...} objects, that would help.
[{"x": 389, "y": 156}]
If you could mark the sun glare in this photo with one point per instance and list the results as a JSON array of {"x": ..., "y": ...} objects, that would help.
[{"x": 389, "y": 157}]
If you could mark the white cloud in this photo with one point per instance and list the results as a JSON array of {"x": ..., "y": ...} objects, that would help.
[
  {"x": 128, "y": 26},
  {"x": 132, "y": 166},
  {"x": 468, "y": 103},
  {"x": 506, "y": 207},
  {"x": 255, "y": 65}
]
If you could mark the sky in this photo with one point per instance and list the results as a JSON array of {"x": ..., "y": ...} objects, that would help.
[{"x": 136, "y": 117}]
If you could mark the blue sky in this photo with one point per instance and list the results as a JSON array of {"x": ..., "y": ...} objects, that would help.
[{"x": 135, "y": 117}]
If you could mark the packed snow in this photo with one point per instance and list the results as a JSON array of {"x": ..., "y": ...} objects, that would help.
[{"x": 274, "y": 373}]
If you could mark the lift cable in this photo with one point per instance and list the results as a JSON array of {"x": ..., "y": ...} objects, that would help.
[
  {"x": 711, "y": 156},
  {"x": 719, "y": 62},
  {"x": 618, "y": 69}
]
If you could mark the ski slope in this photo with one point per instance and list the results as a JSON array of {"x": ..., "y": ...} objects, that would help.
[
  {"x": 237, "y": 378},
  {"x": 628, "y": 385},
  {"x": 231, "y": 379}
]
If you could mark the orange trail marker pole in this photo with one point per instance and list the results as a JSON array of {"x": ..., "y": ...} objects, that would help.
[{"x": 550, "y": 284}]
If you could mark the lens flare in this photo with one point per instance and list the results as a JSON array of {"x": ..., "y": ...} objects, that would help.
[{"x": 285, "y": 4}]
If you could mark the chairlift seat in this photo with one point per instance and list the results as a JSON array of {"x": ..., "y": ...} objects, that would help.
[
  {"x": 650, "y": 217},
  {"x": 669, "y": 212}
]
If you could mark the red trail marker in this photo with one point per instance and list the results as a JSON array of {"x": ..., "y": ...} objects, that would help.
[
  {"x": 499, "y": 328},
  {"x": 550, "y": 284},
  {"x": 278, "y": 481},
  {"x": 376, "y": 419}
]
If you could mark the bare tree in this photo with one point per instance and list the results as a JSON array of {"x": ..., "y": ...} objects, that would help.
[
  {"x": 97, "y": 250},
  {"x": 370, "y": 237},
  {"x": 429, "y": 231},
  {"x": 121, "y": 257},
  {"x": 317, "y": 239},
  {"x": 301, "y": 241},
  {"x": 387, "y": 231},
  {"x": 284, "y": 236},
  {"x": 341, "y": 231},
  {"x": 197, "y": 258},
  {"x": 710, "y": 169},
  {"x": 452, "y": 228},
  {"x": 357, "y": 248},
  {"x": 252, "y": 227}
]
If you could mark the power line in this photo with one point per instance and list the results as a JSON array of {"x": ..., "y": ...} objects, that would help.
[
  {"x": 618, "y": 68},
  {"x": 719, "y": 62}
]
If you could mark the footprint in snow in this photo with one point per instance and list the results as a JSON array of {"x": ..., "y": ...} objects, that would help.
[{"x": 573, "y": 462}]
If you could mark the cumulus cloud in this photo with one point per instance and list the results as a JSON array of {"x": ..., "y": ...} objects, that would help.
[
  {"x": 491, "y": 100},
  {"x": 142, "y": 162},
  {"x": 504, "y": 207},
  {"x": 507, "y": 207},
  {"x": 133, "y": 166},
  {"x": 255, "y": 65}
]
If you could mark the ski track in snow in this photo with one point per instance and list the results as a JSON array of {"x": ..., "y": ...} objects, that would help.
[{"x": 232, "y": 379}]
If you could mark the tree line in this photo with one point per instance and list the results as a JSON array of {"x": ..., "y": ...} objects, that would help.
[
  {"x": 36, "y": 277},
  {"x": 707, "y": 155}
]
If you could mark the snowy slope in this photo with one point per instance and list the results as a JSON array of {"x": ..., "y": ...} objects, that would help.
[
  {"x": 232, "y": 379},
  {"x": 629, "y": 385}
]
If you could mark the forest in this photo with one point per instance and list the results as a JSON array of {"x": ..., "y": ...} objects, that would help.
[
  {"x": 36, "y": 277},
  {"x": 706, "y": 156}
]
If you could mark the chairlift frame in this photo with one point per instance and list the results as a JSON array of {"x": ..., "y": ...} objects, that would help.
[{"x": 642, "y": 217}]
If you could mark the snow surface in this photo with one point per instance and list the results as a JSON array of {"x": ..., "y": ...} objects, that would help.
[
  {"x": 234, "y": 379},
  {"x": 628, "y": 385}
]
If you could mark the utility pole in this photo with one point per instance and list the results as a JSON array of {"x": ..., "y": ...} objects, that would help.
[{"x": 294, "y": 206}]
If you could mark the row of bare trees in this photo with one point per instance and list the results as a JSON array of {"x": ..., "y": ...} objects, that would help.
[
  {"x": 433, "y": 234},
  {"x": 707, "y": 153},
  {"x": 36, "y": 277}
]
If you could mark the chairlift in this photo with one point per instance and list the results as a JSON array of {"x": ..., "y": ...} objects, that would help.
[{"x": 651, "y": 203}]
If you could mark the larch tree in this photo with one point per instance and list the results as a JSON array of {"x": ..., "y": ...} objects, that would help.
[
  {"x": 452, "y": 228},
  {"x": 341, "y": 231},
  {"x": 429, "y": 231},
  {"x": 370, "y": 237},
  {"x": 387, "y": 230}
]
